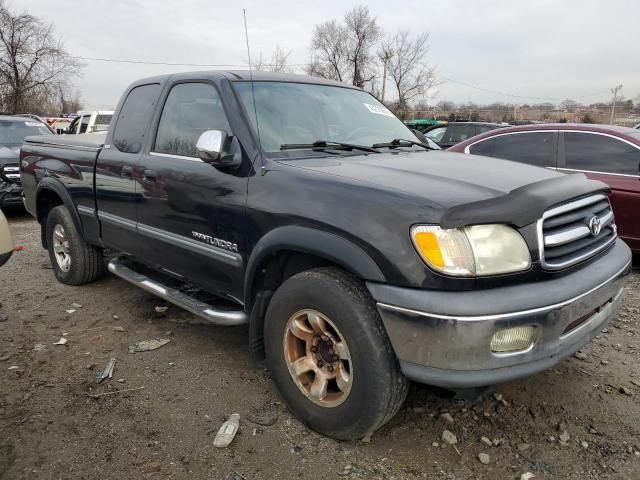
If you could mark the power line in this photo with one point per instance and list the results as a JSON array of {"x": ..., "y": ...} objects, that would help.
[
  {"x": 245, "y": 65},
  {"x": 495, "y": 92}
]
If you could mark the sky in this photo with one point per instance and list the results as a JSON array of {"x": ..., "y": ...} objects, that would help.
[{"x": 527, "y": 52}]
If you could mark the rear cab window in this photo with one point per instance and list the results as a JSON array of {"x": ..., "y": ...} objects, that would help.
[{"x": 134, "y": 118}]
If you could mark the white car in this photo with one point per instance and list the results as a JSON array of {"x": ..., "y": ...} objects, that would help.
[
  {"x": 89, "y": 122},
  {"x": 6, "y": 241}
]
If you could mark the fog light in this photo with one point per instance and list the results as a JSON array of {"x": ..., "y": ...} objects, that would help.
[{"x": 513, "y": 339}]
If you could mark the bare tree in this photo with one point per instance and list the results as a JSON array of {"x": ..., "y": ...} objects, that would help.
[
  {"x": 329, "y": 58},
  {"x": 279, "y": 62},
  {"x": 343, "y": 51},
  {"x": 408, "y": 67},
  {"x": 362, "y": 34},
  {"x": 34, "y": 66},
  {"x": 569, "y": 105}
]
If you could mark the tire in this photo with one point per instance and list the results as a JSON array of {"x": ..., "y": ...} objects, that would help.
[
  {"x": 85, "y": 261},
  {"x": 376, "y": 388}
]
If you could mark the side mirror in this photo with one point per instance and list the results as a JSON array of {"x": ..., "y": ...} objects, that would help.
[{"x": 219, "y": 149}]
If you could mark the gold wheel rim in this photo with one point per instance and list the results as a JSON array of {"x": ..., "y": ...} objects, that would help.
[{"x": 318, "y": 358}]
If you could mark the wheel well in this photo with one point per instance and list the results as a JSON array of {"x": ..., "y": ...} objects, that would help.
[
  {"x": 46, "y": 201},
  {"x": 272, "y": 272}
]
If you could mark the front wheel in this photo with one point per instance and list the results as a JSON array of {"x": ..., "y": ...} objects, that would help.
[
  {"x": 330, "y": 356},
  {"x": 74, "y": 261}
]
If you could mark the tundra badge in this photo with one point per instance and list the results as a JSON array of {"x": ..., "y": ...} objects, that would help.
[{"x": 216, "y": 242}]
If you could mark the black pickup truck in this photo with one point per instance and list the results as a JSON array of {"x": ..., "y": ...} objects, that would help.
[{"x": 359, "y": 258}]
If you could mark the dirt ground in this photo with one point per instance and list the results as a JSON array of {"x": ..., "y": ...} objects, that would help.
[{"x": 580, "y": 420}]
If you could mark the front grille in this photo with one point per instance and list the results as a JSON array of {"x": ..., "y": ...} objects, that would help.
[
  {"x": 10, "y": 173},
  {"x": 575, "y": 231}
]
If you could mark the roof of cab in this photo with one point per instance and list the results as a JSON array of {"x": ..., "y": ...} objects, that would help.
[{"x": 245, "y": 75}]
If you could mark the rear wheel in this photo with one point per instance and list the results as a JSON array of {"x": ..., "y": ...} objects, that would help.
[
  {"x": 74, "y": 261},
  {"x": 329, "y": 354}
]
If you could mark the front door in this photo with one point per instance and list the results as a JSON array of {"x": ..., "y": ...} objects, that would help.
[
  {"x": 116, "y": 190},
  {"x": 191, "y": 214}
]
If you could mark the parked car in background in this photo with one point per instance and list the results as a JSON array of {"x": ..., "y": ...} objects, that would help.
[
  {"x": 603, "y": 152},
  {"x": 13, "y": 129},
  {"x": 6, "y": 241},
  {"x": 88, "y": 122},
  {"x": 423, "y": 124},
  {"x": 450, "y": 134}
]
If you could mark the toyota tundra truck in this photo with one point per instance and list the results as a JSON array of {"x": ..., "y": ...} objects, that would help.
[{"x": 359, "y": 257}]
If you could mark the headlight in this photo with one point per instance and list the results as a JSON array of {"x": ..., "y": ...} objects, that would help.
[{"x": 472, "y": 251}]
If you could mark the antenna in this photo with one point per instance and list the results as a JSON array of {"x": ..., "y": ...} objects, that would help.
[{"x": 253, "y": 91}]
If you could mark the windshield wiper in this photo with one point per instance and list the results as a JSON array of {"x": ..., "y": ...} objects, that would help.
[
  {"x": 402, "y": 142},
  {"x": 324, "y": 144}
]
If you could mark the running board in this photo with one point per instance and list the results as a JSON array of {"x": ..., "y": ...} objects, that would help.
[{"x": 203, "y": 310}]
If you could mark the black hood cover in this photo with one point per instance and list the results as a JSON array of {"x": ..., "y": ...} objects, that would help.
[{"x": 523, "y": 205}]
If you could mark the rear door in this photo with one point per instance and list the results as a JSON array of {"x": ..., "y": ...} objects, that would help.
[
  {"x": 615, "y": 162},
  {"x": 191, "y": 215},
  {"x": 538, "y": 148},
  {"x": 117, "y": 190}
]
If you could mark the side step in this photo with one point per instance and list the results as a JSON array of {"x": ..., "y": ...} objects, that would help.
[{"x": 204, "y": 310}]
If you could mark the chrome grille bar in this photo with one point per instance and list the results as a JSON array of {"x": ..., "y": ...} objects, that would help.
[{"x": 575, "y": 231}]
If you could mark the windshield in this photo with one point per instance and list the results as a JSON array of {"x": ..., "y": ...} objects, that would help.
[
  {"x": 12, "y": 132},
  {"x": 436, "y": 134},
  {"x": 296, "y": 113}
]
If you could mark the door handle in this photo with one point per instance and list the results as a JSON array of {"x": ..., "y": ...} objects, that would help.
[
  {"x": 150, "y": 176},
  {"x": 126, "y": 172}
]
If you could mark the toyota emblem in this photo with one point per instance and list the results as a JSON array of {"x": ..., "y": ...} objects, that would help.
[{"x": 594, "y": 225}]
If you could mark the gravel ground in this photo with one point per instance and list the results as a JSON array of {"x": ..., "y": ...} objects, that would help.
[{"x": 158, "y": 415}]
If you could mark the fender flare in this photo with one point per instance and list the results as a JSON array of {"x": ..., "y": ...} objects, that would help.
[
  {"x": 315, "y": 242},
  {"x": 57, "y": 187}
]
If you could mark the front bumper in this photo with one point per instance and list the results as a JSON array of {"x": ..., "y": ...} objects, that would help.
[
  {"x": 10, "y": 193},
  {"x": 443, "y": 338}
]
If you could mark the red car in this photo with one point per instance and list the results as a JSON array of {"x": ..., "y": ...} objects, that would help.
[{"x": 602, "y": 152}]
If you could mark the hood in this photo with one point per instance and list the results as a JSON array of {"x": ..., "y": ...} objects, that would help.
[
  {"x": 9, "y": 154},
  {"x": 444, "y": 178}
]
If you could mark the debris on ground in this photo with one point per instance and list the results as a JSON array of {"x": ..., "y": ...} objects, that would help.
[
  {"x": 626, "y": 391},
  {"x": 148, "y": 345},
  {"x": 447, "y": 418},
  {"x": 160, "y": 311},
  {"x": 3, "y": 317},
  {"x": 580, "y": 355},
  {"x": 39, "y": 347},
  {"x": 527, "y": 476},
  {"x": 76, "y": 305},
  {"x": 484, "y": 458},
  {"x": 119, "y": 329},
  {"x": 98, "y": 395},
  {"x": 486, "y": 441},
  {"x": 227, "y": 431},
  {"x": 449, "y": 438},
  {"x": 265, "y": 415},
  {"x": 13, "y": 367},
  {"x": 62, "y": 341},
  {"x": 70, "y": 311},
  {"x": 107, "y": 372}
]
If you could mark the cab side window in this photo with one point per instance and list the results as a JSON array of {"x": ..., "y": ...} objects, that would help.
[
  {"x": 599, "y": 153},
  {"x": 190, "y": 110}
]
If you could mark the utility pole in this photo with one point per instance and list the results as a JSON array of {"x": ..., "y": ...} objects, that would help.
[
  {"x": 384, "y": 55},
  {"x": 613, "y": 104}
]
